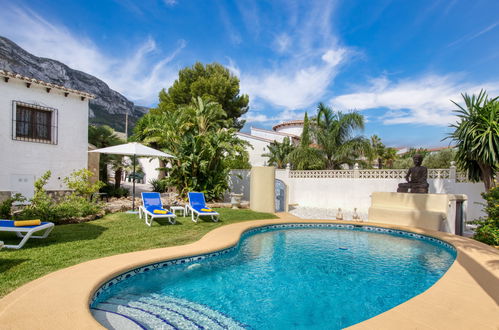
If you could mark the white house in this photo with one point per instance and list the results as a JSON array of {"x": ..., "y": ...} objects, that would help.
[
  {"x": 260, "y": 139},
  {"x": 44, "y": 127}
]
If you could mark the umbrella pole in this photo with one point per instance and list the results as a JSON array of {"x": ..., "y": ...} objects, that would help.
[{"x": 133, "y": 189}]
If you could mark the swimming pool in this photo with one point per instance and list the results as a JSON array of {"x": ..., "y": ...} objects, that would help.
[{"x": 282, "y": 276}]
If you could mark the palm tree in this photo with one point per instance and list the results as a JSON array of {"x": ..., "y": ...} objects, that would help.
[
  {"x": 377, "y": 150},
  {"x": 477, "y": 137},
  {"x": 278, "y": 152},
  {"x": 200, "y": 138},
  {"x": 102, "y": 137},
  {"x": 334, "y": 134},
  {"x": 305, "y": 157},
  {"x": 389, "y": 156}
]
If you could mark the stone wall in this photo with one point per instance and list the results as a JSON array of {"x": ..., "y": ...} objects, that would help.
[{"x": 4, "y": 195}]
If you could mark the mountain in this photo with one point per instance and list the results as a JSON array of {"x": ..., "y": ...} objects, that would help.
[{"x": 109, "y": 107}]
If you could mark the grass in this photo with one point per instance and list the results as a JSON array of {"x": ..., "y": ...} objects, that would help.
[{"x": 117, "y": 233}]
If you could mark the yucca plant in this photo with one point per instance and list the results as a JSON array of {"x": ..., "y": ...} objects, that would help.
[{"x": 476, "y": 135}]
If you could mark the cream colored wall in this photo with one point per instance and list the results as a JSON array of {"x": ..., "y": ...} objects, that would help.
[
  {"x": 429, "y": 211},
  {"x": 93, "y": 166},
  {"x": 262, "y": 194}
]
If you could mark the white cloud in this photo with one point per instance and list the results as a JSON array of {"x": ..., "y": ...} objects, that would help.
[
  {"x": 262, "y": 118},
  {"x": 233, "y": 68},
  {"x": 282, "y": 42},
  {"x": 425, "y": 100},
  {"x": 139, "y": 75},
  {"x": 308, "y": 61},
  {"x": 295, "y": 88},
  {"x": 170, "y": 2},
  {"x": 471, "y": 36},
  {"x": 257, "y": 118}
]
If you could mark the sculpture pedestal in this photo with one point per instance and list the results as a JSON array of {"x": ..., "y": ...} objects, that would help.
[
  {"x": 443, "y": 212},
  {"x": 415, "y": 188}
]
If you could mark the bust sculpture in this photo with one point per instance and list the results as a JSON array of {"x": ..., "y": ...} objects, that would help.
[{"x": 416, "y": 178}]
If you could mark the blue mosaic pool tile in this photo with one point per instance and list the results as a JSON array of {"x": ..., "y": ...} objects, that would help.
[{"x": 186, "y": 260}]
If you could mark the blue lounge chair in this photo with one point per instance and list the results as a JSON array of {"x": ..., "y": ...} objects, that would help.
[
  {"x": 197, "y": 206},
  {"x": 152, "y": 207},
  {"x": 25, "y": 232}
]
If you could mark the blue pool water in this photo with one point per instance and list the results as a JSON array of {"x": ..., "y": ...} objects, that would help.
[{"x": 283, "y": 278}]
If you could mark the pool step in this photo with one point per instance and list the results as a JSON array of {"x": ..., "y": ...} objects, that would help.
[{"x": 156, "y": 311}]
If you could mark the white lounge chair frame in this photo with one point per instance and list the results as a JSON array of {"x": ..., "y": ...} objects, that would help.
[
  {"x": 149, "y": 216},
  {"x": 27, "y": 232},
  {"x": 195, "y": 214}
]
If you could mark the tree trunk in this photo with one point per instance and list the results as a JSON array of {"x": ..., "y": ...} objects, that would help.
[
  {"x": 486, "y": 175},
  {"x": 161, "y": 173},
  {"x": 117, "y": 177},
  {"x": 103, "y": 169},
  {"x": 380, "y": 163}
]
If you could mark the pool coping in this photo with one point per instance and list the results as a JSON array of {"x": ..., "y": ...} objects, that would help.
[{"x": 467, "y": 296}]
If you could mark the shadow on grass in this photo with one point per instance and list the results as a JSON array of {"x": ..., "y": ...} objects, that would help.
[
  {"x": 167, "y": 223},
  {"x": 6, "y": 264},
  {"x": 60, "y": 234}
]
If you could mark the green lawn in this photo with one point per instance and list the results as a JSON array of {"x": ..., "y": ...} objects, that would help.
[{"x": 114, "y": 234}]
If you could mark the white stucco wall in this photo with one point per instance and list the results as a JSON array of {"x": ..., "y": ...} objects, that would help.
[
  {"x": 259, "y": 147},
  {"x": 239, "y": 183},
  {"x": 348, "y": 194},
  {"x": 22, "y": 160},
  {"x": 149, "y": 166},
  {"x": 294, "y": 129},
  {"x": 269, "y": 135}
]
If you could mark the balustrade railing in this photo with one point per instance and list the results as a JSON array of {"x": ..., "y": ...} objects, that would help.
[{"x": 445, "y": 174}]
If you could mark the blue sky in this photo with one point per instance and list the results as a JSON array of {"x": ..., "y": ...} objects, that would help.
[{"x": 397, "y": 62}]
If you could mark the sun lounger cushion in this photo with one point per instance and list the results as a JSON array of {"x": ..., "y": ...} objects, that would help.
[
  {"x": 160, "y": 211},
  {"x": 157, "y": 210},
  {"x": 22, "y": 223},
  {"x": 10, "y": 223}
]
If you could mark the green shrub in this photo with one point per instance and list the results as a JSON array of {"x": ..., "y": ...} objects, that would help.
[
  {"x": 42, "y": 206},
  {"x": 112, "y": 191},
  {"x": 488, "y": 228},
  {"x": 159, "y": 185},
  {"x": 75, "y": 205},
  {"x": 79, "y": 181},
  {"x": 6, "y": 206}
]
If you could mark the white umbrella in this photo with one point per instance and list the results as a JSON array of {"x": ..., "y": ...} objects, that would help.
[{"x": 133, "y": 149}]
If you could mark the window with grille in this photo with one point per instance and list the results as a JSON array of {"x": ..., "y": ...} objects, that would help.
[{"x": 34, "y": 123}]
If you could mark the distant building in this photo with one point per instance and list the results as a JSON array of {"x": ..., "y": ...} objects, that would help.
[
  {"x": 44, "y": 127},
  {"x": 261, "y": 138},
  {"x": 403, "y": 150}
]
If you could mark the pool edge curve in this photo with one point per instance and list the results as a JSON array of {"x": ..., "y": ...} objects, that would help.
[{"x": 466, "y": 295}]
